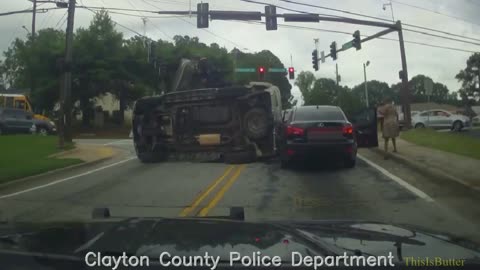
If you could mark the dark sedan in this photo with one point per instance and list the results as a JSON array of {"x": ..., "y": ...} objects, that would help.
[{"x": 323, "y": 132}]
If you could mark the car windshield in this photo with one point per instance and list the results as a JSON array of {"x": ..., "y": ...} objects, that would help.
[{"x": 301, "y": 113}]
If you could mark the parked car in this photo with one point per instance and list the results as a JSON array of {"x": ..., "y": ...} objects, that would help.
[
  {"x": 16, "y": 121},
  {"x": 439, "y": 119},
  {"x": 45, "y": 127},
  {"x": 311, "y": 132}
]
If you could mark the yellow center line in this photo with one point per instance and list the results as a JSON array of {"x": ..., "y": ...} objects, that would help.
[
  {"x": 221, "y": 192},
  {"x": 204, "y": 194}
]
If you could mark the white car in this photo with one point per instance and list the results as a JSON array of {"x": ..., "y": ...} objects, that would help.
[{"x": 439, "y": 119}]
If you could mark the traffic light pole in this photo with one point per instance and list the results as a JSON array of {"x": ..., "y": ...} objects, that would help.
[{"x": 405, "y": 93}]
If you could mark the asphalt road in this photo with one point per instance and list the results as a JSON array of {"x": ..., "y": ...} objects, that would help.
[{"x": 375, "y": 190}]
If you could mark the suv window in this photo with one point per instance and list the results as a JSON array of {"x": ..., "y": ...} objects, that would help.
[
  {"x": 8, "y": 113},
  {"x": 319, "y": 113}
]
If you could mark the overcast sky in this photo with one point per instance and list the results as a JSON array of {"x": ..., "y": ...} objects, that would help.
[{"x": 384, "y": 56}]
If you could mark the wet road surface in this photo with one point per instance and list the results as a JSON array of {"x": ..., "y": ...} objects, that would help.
[{"x": 320, "y": 191}]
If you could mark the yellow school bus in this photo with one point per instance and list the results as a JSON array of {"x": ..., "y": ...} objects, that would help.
[{"x": 22, "y": 102}]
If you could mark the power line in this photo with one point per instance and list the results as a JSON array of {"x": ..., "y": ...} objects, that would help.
[
  {"x": 435, "y": 12},
  {"x": 289, "y": 9},
  {"x": 64, "y": 14},
  {"x": 123, "y": 26},
  {"x": 434, "y": 35},
  {"x": 348, "y": 33},
  {"x": 150, "y": 17},
  {"x": 378, "y": 18}
]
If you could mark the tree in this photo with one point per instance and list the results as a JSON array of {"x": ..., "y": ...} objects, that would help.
[
  {"x": 23, "y": 60},
  {"x": 305, "y": 81},
  {"x": 468, "y": 77},
  {"x": 268, "y": 60},
  {"x": 377, "y": 91}
]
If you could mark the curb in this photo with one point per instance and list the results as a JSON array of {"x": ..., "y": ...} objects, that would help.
[
  {"x": 424, "y": 170},
  {"x": 64, "y": 153},
  {"x": 75, "y": 166}
]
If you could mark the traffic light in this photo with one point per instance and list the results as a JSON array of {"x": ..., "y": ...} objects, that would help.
[
  {"x": 202, "y": 15},
  {"x": 333, "y": 50},
  {"x": 271, "y": 17},
  {"x": 261, "y": 73},
  {"x": 291, "y": 73},
  {"x": 315, "y": 59},
  {"x": 357, "y": 43}
]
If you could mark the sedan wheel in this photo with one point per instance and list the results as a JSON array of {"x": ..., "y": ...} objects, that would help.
[{"x": 457, "y": 126}]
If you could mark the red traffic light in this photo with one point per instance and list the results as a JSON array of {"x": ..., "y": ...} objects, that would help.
[
  {"x": 291, "y": 69},
  {"x": 261, "y": 69}
]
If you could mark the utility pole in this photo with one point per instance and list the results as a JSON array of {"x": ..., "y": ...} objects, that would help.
[
  {"x": 65, "y": 103},
  {"x": 405, "y": 92},
  {"x": 365, "y": 81},
  {"x": 336, "y": 74},
  {"x": 34, "y": 17}
]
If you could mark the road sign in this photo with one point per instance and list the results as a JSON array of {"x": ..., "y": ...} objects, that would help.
[
  {"x": 277, "y": 70},
  {"x": 245, "y": 70},
  {"x": 428, "y": 83},
  {"x": 322, "y": 56},
  {"x": 347, "y": 45}
]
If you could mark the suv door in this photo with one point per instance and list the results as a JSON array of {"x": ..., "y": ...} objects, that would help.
[
  {"x": 10, "y": 120},
  {"x": 365, "y": 127},
  {"x": 24, "y": 120}
]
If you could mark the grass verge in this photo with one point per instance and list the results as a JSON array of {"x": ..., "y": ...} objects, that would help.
[
  {"x": 445, "y": 141},
  {"x": 26, "y": 155}
]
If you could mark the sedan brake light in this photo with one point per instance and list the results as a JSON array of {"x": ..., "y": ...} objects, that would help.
[
  {"x": 295, "y": 131},
  {"x": 347, "y": 130}
]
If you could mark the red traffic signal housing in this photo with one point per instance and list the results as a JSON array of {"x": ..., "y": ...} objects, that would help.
[
  {"x": 291, "y": 73},
  {"x": 261, "y": 73}
]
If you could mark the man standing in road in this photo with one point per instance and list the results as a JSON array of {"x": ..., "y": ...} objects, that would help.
[{"x": 390, "y": 128}]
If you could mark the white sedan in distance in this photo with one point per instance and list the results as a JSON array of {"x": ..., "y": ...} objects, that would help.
[{"x": 440, "y": 119}]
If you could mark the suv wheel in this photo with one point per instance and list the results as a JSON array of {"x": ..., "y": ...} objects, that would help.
[
  {"x": 1, "y": 131},
  {"x": 457, "y": 125},
  {"x": 419, "y": 125},
  {"x": 42, "y": 131},
  {"x": 149, "y": 156}
]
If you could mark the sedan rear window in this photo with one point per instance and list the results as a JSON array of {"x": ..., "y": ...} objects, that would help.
[{"x": 319, "y": 113}]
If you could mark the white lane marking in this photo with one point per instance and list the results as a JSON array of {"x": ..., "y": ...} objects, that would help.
[
  {"x": 66, "y": 179},
  {"x": 117, "y": 142},
  {"x": 399, "y": 180}
]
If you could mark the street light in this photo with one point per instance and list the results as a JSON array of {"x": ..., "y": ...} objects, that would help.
[
  {"x": 365, "y": 65},
  {"x": 391, "y": 9},
  {"x": 23, "y": 26}
]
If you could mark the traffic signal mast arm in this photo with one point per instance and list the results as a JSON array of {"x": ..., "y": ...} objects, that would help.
[{"x": 374, "y": 36}]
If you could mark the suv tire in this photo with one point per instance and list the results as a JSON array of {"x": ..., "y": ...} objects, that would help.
[
  {"x": 148, "y": 156},
  {"x": 42, "y": 131}
]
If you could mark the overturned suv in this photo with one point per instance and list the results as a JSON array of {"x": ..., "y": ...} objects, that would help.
[{"x": 236, "y": 123}]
